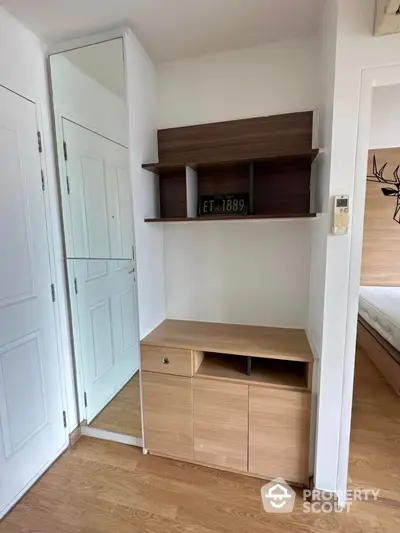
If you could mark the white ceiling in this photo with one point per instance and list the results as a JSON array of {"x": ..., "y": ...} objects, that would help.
[
  {"x": 103, "y": 62},
  {"x": 173, "y": 29}
]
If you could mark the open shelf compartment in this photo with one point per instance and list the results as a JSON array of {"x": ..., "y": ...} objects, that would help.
[
  {"x": 274, "y": 190},
  {"x": 267, "y": 372}
]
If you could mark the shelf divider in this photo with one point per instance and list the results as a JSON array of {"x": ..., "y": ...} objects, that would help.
[
  {"x": 251, "y": 188},
  {"x": 191, "y": 192}
]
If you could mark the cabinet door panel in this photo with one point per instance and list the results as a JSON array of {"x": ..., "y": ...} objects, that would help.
[
  {"x": 168, "y": 414},
  {"x": 279, "y": 422},
  {"x": 220, "y": 423}
]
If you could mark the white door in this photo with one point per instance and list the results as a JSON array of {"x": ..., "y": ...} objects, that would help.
[
  {"x": 105, "y": 329},
  {"x": 99, "y": 212},
  {"x": 32, "y": 432}
]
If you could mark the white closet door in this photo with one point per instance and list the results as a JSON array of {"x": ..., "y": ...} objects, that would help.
[
  {"x": 99, "y": 195},
  {"x": 106, "y": 330},
  {"x": 32, "y": 432}
]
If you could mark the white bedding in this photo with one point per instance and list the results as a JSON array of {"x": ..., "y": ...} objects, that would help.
[{"x": 380, "y": 308}]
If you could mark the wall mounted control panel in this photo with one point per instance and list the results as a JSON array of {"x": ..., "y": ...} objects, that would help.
[{"x": 341, "y": 215}]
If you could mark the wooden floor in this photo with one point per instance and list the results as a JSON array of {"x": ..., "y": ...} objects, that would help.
[
  {"x": 102, "y": 487},
  {"x": 122, "y": 414},
  {"x": 375, "y": 436}
]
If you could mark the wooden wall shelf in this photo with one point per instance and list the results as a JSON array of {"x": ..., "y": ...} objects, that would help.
[
  {"x": 269, "y": 160},
  {"x": 227, "y": 218},
  {"x": 160, "y": 168}
]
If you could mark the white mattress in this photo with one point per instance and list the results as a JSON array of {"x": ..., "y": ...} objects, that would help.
[{"x": 380, "y": 308}]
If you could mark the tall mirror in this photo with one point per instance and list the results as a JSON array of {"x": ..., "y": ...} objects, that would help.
[{"x": 91, "y": 121}]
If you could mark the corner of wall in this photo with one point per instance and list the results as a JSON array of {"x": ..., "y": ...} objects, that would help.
[{"x": 141, "y": 94}]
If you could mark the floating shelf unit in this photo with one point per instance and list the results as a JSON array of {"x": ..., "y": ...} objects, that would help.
[{"x": 270, "y": 159}]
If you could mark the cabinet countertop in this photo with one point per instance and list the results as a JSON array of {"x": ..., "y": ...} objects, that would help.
[{"x": 256, "y": 341}]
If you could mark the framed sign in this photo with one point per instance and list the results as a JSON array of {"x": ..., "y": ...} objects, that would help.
[{"x": 223, "y": 204}]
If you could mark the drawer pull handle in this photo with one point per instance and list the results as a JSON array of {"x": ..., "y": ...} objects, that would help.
[{"x": 165, "y": 360}]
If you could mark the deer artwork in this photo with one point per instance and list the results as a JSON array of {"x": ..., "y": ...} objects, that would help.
[{"x": 394, "y": 190}]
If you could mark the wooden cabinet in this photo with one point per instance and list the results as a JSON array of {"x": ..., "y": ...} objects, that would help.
[
  {"x": 279, "y": 425},
  {"x": 168, "y": 416},
  {"x": 220, "y": 413},
  {"x": 203, "y": 403}
]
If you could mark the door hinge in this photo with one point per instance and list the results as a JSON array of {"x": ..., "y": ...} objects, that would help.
[
  {"x": 85, "y": 398},
  {"x": 65, "y": 151},
  {"x": 53, "y": 292},
  {"x": 43, "y": 183},
  {"x": 65, "y": 419},
  {"x": 68, "y": 187},
  {"x": 76, "y": 285},
  {"x": 39, "y": 138}
]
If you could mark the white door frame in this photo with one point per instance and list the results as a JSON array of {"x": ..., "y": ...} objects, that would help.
[{"x": 370, "y": 79}]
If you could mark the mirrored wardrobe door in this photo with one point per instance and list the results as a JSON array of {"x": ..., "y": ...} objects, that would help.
[
  {"x": 99, "y": 194},
  {"x": 91, "y": 127},
  {"x": 105, "y": 336}
]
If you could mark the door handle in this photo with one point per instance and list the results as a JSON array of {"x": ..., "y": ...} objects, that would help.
[{"x": 132, "y": 271}]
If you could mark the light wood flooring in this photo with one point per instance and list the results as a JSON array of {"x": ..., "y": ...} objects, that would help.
[
  {"x": 375, "y": 435},
  {"x": 102, "y": 487},
  {"x": 122, "y": 414}
]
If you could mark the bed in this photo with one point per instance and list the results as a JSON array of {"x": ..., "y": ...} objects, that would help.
[{"x": 379, "y": 330}]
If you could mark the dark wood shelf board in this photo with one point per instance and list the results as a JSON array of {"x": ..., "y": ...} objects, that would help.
[
  {"x": 227, "y": 218},
  {"x": 159, "y": 168}
]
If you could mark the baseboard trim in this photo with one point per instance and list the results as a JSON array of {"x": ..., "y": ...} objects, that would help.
[
  {"x": 74, "y": 436},
  {"x": 110, "y": 436},
  {"x": 333, "y": 496}
]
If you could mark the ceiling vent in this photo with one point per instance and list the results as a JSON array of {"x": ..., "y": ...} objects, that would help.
[{"x": 387, "y": 19}]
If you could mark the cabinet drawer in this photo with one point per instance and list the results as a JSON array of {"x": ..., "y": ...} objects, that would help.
[{"x": 167, "y": 360}]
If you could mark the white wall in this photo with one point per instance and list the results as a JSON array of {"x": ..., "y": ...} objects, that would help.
[
  {"x": 327, "y": 62},
  {"x": 357, "y": 49},
  {"x": 242, "y": 271},
  {"x": 326, "y": 80},
  {"x": 141, "y": 90},
  {"x": 265, "y": 80},
  {"x": 252, "y": 272},
  {"x": 385, "y": 126},
  {"x": 83, "y": 100},
  {"x": 23, "y": 69}
]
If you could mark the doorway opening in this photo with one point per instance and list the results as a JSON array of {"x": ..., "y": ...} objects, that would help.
[{"x": 375, "y": 431}]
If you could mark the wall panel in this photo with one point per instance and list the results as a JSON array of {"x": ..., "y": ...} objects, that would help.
[{"x": 381, "y": 246}]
